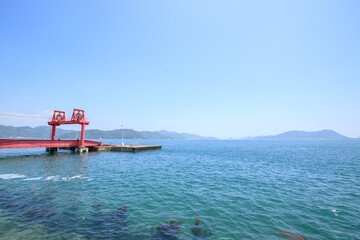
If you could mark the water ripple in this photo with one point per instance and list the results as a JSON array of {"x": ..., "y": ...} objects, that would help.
[{"x": 239, "y": 190}]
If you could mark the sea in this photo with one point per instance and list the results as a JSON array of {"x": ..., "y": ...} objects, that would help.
[{"x": 191, "y": 189}]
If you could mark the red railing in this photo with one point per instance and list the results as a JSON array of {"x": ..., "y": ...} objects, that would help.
[{"x": 34, "y": 143}]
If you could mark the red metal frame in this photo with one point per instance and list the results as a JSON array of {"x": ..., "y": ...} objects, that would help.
[
  {"x": 34, "y": 143},
  {"x": 59, "y": 118},
  {"x": 78, "y": 117}
]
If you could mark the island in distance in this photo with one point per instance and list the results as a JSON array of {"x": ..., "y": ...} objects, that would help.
[
  {"x": 43, "y": 132},
  {"x": 323, "y": 135}
]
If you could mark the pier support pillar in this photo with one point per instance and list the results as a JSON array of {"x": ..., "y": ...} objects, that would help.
[
  {"x": 82, "y": 143},
  {"x": 52, "y": 150},
  {"x": 81, "y": 149}
]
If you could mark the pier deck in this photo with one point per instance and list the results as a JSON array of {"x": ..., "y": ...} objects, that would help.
[
  {"x": 55, "y": 145},
  {"x": 36, "y": 143},
  {"x": 126, "y": 148}
]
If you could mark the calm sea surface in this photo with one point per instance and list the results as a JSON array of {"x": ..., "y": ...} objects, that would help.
[{"x": 238, "y": 190}]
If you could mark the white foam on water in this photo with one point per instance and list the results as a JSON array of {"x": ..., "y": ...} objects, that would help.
[
  {"x": 59, "y": 178},
  {"x": 11, "y": 176},
  {"x": 52, "y": 178},
  {"x": 49, "y": 178},
  {"x": 77, "y": 176},
  {"x": 33, "y": 179}
]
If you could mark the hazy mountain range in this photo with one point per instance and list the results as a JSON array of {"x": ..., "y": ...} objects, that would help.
[
  {"x": 327, "y": 135},
  {"x": 43, "y": 132}
]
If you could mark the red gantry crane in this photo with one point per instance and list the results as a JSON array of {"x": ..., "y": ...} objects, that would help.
[
  {"x": 59, "y": 118},
  {"x": 78, "y": 117}
]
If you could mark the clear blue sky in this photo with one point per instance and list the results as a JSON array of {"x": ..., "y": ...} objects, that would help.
[{"x": 215, "y": 68}]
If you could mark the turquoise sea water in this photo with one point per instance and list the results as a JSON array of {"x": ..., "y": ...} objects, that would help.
[{"x": 238, "y": 189}]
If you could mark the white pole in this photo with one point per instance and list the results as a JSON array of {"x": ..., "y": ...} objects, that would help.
[{"x": 122, "y": 135}]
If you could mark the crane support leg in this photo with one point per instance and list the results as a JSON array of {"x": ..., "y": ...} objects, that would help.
[
  {"x": 82, "y": 135},
  {"x": 53, "y": 132}
]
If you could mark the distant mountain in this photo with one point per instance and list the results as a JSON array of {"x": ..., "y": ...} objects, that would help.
[
  {"x": 115, "y": 134},
  {"x": 29, "y": 132},
  {"x": 327, "y": 135},
  {"x": 43, "y": 132},
  {"x": 186, "y": 136}
]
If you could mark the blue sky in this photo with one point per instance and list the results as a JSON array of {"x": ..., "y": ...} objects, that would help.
[{"x": 215, "y": 68}]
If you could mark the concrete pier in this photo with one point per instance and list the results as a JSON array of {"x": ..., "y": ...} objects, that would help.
[
  {"x": 109, "y": 148},
  {"x": 126, "y": 148},
  {"x": 81, "y": 149}
]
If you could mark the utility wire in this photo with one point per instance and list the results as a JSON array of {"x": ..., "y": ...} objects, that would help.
[{"x": 23, "y": 116}]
